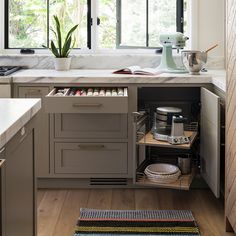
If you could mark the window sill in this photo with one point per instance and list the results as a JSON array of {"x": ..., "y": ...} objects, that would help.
[{"x": 78, "y": 52}]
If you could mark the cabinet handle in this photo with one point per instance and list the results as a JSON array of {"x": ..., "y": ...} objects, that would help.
[
  {"x": 2, "y": 150},
  {"x": 87, "y": 105},
  {"x": 89, "y": 146}
]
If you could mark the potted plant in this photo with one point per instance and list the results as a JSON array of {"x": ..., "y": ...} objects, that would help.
[{"x": 61, "y": 49}]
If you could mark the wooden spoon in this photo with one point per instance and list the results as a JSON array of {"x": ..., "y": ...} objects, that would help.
[{"x": 209, "y": 49}]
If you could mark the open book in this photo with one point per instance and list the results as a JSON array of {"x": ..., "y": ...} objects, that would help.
[{"x": 137, "y": 70}]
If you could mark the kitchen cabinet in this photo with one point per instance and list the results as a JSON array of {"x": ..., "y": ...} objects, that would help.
[
  {"x": 42, "y": 134},
  {"x": 91, "y": 126},
  {"x": 18, "y": 210},
  {"x": 2, "y": 191},
  {"x": 199, "y": 105},
  {"x": 103, "y": 120},
  {"x": 91, "y": 160},
  {"x": 89, "y": 137}
]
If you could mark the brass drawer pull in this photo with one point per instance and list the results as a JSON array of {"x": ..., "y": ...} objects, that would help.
[
  {"x": 91, "y": 146},
  {"x": 87, "y": 105}
]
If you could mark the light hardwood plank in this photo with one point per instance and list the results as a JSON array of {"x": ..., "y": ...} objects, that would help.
[
  {"x": 146, "y": 199},
  {"x": 49, "y": 211},
  {"x": 100, "y": 199},
  {"x": 75, "y": 200},
  {"x": 40, "y": 196},
  {"x": 59, "y": 210},
  {"x": 123, "y": 199}
]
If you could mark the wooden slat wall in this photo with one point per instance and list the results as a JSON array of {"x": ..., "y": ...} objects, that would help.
[{"x": 231, "y": 116}]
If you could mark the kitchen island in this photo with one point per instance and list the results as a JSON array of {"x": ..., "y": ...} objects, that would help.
[{"x": 18, "y": 123}]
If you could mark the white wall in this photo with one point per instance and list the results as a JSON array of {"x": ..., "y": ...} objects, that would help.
[{"x": 211, "y": 26}]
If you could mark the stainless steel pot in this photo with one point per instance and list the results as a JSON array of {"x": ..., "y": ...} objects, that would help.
[{"x": 164, "y": 114}]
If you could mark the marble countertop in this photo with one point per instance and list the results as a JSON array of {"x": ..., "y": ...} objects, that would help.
[
  {"x": 5, "y": 79},
  {"x": 217, "y": 77},
  {"x": 15, "y": 113}
]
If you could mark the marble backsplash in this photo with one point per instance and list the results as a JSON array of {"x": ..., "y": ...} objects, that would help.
[{"x": 98, "y": 61}]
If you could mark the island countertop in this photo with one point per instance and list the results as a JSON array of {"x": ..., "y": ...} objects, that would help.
[
  {"x": 216, "y": 77},
  {"x": 15, "y": 113}
]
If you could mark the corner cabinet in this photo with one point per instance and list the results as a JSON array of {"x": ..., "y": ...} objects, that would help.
[
  {"x": 202, "y": 107},
  {"x": 18, "y": 185}
]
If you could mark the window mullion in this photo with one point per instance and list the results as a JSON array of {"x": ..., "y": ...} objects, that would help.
[
  {"x": 48, "y": 23},
  {"x": 180, "y": 16},
  {"x": 147, "y": 24},
  {"x": 94, "y": 26}
]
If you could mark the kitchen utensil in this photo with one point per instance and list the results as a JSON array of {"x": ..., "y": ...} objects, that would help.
[
  {"x": 209, "y": 49},
  {"x": 177, "y": 40},
  {"x": 177, "y": 128},
  {"x": 164, "y": 119},
  {"x": 184, "y": 163},
  {"x": 194, "y": 60}
]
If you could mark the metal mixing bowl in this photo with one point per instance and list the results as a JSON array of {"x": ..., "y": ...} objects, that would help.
[{"x": 194, "y": 60}]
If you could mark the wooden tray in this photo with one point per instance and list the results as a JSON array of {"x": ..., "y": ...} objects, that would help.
[
  {"x": 183, "y": 183},
  {"x": 150, "y": 141}
]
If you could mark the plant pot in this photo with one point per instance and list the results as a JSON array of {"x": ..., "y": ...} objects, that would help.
[{"x": 62, "y": 63}]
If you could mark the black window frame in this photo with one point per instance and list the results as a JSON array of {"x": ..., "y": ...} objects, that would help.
[
  {"x": 6, "y": 26},
  {"x": 179, "y": 24}
]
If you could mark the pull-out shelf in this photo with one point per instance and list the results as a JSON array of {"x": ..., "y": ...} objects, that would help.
[
  {"x": 148, "y": 140},
  {"x": 67, "y": 103}
]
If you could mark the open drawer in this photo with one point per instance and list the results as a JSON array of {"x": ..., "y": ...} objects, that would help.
[{"x": 87, "y": 100}]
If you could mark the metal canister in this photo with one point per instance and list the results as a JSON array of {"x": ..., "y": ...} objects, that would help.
[{"x": 184, "y": 164}]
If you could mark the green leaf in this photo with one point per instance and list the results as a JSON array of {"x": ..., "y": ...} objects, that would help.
[
  {"x": 58, "y": 30},
  {"x": 66, "y": 47},
  {"x": 71, "y": 31},
  {"x": 54, "y": 49}
]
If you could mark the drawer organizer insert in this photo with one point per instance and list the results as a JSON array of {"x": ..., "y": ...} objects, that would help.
[{"x": 87, "y": 100}]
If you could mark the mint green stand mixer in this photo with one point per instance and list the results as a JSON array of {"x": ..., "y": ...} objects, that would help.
[{"x": 178, "y": 40}]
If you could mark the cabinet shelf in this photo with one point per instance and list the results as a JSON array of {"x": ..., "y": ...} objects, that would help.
[
  {"x": 183, "y": 182},
  {"x": 148, "y": 140}
]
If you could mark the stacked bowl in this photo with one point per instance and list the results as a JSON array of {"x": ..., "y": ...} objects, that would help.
[{"x": 162, "y": 173}]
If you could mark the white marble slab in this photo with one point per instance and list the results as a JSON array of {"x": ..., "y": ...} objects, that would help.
[
  {"x": 14, "y": 114},
  {"x": 106, "y": 76},
  {"x": 100, "y": 60},
  {"x": 5, "y": 79}
]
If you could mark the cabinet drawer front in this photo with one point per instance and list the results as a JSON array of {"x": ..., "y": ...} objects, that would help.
[
  {"x": 91, "y": 158},
  {"x": 90, "y": 125},
  {"x": 86, "y": 104},
  {"x": 33, "y": 92}
]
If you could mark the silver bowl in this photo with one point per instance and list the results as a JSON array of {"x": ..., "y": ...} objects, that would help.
[{"x": 194, "y": 60}]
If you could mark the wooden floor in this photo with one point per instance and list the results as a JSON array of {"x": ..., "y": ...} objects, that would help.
[{"x": 58, "y": 210}]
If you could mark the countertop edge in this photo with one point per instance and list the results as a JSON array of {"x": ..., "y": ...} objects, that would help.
[{"x": 13, "y": 128}]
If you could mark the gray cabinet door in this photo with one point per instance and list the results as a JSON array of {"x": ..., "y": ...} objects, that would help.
[
  {"x": 42, "y": 133},
  {"x": 90, "y": 126},
  {"x": 91, "y": 159},
  {"x": 20, "y": 216},
  {"x": 210, "y": 140}
]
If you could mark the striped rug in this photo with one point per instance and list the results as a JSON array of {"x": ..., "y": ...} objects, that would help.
[{"x": 136, "y": 222}]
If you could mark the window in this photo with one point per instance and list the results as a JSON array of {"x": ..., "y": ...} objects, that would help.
[
  {"x": 116, "y": 23},
  {"x": 28, "y": 22}
]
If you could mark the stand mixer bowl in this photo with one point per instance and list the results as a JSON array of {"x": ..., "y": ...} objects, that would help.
[{"x": 194, "y": 60}]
